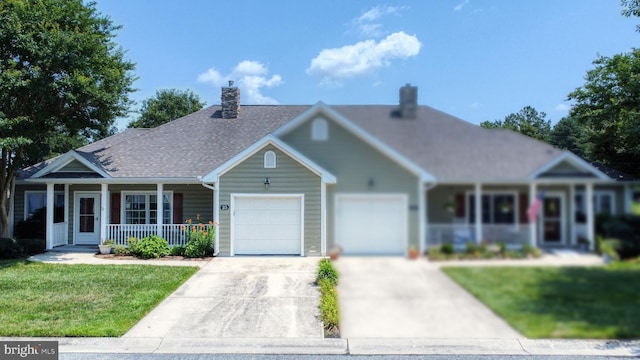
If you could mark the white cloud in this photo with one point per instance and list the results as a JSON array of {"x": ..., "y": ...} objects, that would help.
[
  {"x": 475, "y": 105},
  {"x": 366, "y": 23},
  {"x": 562, "y": 107},
  {"x": 339, "y": 64},
  {"x": 250, "y": 76},
  {"x": 461, "y": 5}
]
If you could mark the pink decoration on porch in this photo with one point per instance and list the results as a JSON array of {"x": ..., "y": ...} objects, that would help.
[{"x": 534, "y": 209}]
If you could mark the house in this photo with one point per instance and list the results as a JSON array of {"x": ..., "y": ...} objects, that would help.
[{"x": 373, "y": 179}]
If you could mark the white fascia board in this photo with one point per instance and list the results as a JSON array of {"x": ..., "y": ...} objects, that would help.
[
  {"x": 573, "y": 160},
  {"x": 322, "y": 108},
  {"x": 551, "y": 181},
  {"x": 213, "y": 177},
  {"x": 122, "y": 180},
  {"x": 65, "y": 159}
]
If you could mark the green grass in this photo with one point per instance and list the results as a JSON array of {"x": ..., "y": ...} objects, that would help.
[
  {"x": 327, "y": 279},
  {"x": 635, "y": 208},
  {"x": 544, "y": 302},
  {"x": 81, "y": 300}
]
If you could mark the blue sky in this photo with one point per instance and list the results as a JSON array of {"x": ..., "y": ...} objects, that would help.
[{"x": 477, "y": 60}]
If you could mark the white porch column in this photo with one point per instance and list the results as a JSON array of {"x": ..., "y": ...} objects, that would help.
[
  {"x": 478, "y": 209},
  {"x": 66, "y": 212},
  {"x": 49, "y": 222},
  {"x": 590, "y": 216},
  {"x": 422, "y": 215},
  {"x": 216, "y": 217},
  {"x": 323, "y": 219},
  {"x": 533, "y": 233},
  {"x": 103, "y": 212},
  {"x": 159, "y": 208},
  {"x": 572, "y": 214}
]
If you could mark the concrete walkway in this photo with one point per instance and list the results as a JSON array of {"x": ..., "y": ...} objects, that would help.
[
  {"x": 55, "y": 257},
  {"x": 393, "y": 298},
  {"x": 240, "y": 297}
]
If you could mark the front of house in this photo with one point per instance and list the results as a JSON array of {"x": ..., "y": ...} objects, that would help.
[{"x": 299, "y": 180}]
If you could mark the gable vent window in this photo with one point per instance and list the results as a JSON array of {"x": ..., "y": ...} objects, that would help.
[
  {"x": 269, "y": 160},
  {"x": 319, "y": 130}
]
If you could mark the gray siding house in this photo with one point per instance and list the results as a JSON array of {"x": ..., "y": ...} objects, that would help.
[{"x": 300, "y": 180}]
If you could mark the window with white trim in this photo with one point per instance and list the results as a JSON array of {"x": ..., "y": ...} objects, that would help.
[
  {"x": 36, "y": 200},
  {"x": 142, "y": 207},
  {"x": 604, "y": 202},
  {"x": 497, "y": 208},
  {"x": 319, "y": 130},
  {"x": 269, "y": 160}
]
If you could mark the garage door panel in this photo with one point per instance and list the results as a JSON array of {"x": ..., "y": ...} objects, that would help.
[
  {"x": 371, "y": 224},
  {"x": 267, "y": 225}
]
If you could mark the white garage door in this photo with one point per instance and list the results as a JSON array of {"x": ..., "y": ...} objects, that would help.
[
  {"x": 267, "y": 225},
  {"x": 371, "y": 224}
]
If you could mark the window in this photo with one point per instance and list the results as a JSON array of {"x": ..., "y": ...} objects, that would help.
[
  {"x": 37, "y": 200},
  {"x": 604, "y": 202},
  {"x": 319, "y": 130},
  {"x": 497, "y": 208},
  {"x": 142, "y": 208},
  {"x": 269, "y": 160}
]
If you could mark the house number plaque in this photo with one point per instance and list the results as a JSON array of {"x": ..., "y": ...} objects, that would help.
[{"x": 224, "y": 207}]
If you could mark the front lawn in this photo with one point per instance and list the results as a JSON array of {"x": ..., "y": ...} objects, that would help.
[
  {"x": 545, "y": 302},
  {"x": 81, "y": 300}
]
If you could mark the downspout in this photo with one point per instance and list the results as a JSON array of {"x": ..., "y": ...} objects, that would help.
[{"x": 216, "y": 246}]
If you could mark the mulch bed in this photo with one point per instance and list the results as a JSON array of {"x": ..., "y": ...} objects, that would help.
[{"x": 129, "y": 257}]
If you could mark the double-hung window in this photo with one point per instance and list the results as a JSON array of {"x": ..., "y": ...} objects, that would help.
[
  {"x": 497, "y": 208},
  {"x": 37, "y": 200},
  {"x": 604, "y": 202},
  {"x": 142, "y": 207}
]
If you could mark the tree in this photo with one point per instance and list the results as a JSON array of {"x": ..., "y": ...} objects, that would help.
[
  {"x": 61, "y": 77},
  {"x": 608, "y": 106},
  {"x": 569, "y": 134},
  {"x": 165, "y": 106},
  {"x": 631, "y": 8},
  {"x": 528, "y": 121}
]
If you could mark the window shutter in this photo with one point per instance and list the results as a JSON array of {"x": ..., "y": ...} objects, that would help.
[
  {"x": 460, "y": 203},
  {"x": 177, "y": 208},
  {"x": 115, "y": 208},
  {"x": 523, "y": 204}
]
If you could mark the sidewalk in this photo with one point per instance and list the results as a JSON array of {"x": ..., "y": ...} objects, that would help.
[
  {"x": 302, "y": 346},
  {"x": 554, "y": 258},
  {"x": 54, "y": 257}
]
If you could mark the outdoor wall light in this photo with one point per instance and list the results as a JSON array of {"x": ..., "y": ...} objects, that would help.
[
  {"x": 371, "y": 182},
  {"x": 266, "y": 182}
]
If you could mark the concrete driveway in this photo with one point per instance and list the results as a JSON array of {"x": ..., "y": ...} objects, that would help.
[
  {"x": 240, "y": 297},
  {"x": 392, "y": 297}
]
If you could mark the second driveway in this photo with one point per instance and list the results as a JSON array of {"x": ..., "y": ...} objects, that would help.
[
  {"x": 240, "y": 297},
  {"x": 392, "y": 297}
]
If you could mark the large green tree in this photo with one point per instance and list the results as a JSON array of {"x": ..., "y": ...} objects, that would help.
[
  {"x": 608, "y": 106},
  {"x": 631, "y": 8},
  {"x": 61, "y": 76},
  {"x": 165, "y": 106},
  {"x": 528, "y": 121},
  {"x": 569, "y": 134}
]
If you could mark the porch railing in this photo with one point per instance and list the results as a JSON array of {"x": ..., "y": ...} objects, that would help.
[
  {"x": 60, "y": 231},
  {"x": 460, "y": 234},
  {"x": 175, "y": 234}
]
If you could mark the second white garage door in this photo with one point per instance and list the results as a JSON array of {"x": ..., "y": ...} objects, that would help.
[
  {"x": 371, "y": 224},
  {"x": 267, "y": 225}
]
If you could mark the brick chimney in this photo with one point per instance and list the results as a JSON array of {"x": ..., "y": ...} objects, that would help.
[
  {"x": 408, "y": 101},
  {"x": 230, "y": 101}
]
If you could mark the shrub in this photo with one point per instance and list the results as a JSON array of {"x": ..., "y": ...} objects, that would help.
[
  {"x": 625, "y": 229},
  {"x": 32, "y": 246},
  {"x": 132, "y": 243},
  {"x": 447, "y": 249},
  {"x": 471, "y": 249},
  {"x": 33, "y": 227},
  {"x": 177, "y": 250},
  {"x": 151, "y": 247},
  {"x": 199, "y": 240},
  {"x": 502, "y": 247},
  {"x": 327, "y": 271},
  {"x": 121, "y": 250},
  {"x": 9, "y": 248},
  {"x": 528, "y": 250},
  {"x": 329, "y": 307},
  {"x": 609, "y": 247}
]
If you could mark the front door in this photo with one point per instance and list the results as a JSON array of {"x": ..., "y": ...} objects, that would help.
[
  {"x": 551, "y": 219},
  {"x": 87, "y": 219}
]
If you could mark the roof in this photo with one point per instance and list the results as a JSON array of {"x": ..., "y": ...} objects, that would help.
[{"x": 448, "y": 148}]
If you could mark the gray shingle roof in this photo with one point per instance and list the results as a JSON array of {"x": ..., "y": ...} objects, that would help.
[{"x": 447, "y": 147}]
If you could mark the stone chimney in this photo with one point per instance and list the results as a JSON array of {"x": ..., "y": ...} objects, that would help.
[
  {"x": 230, "y": 101},
  {"x": 408, "y": 101}
]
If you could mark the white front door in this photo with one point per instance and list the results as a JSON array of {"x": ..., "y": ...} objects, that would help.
[
  {"x": 552, "y": 221},
  {"x": 87, "y": 219}
]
